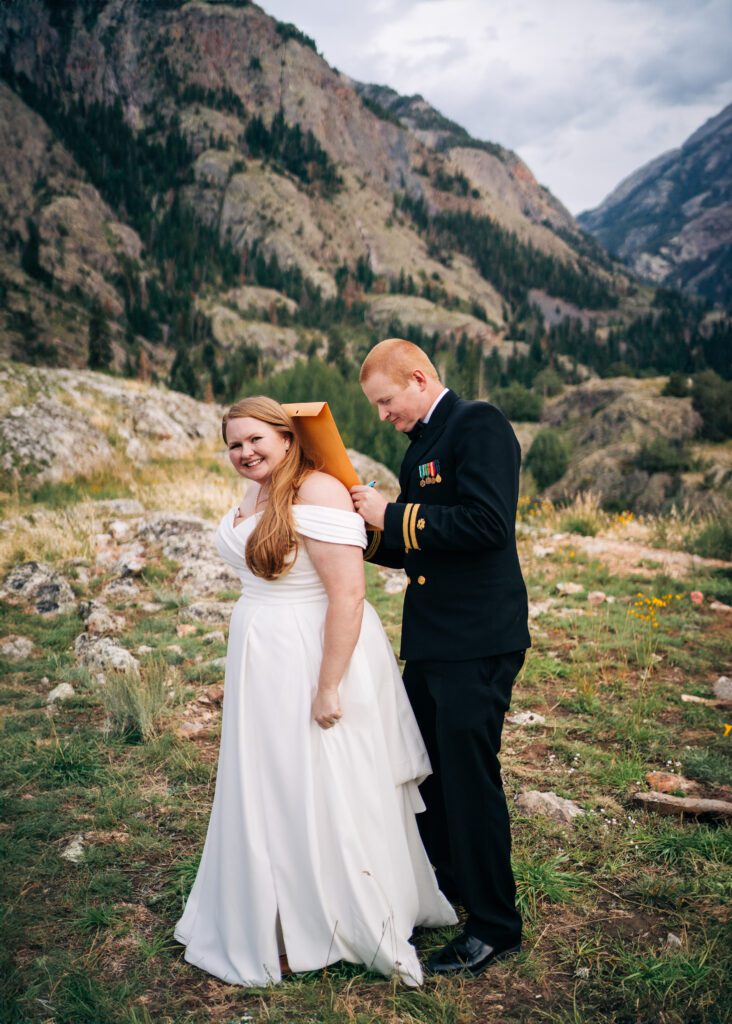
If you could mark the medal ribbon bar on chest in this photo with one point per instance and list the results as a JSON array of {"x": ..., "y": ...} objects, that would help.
[{"x": 429, "y": 473}]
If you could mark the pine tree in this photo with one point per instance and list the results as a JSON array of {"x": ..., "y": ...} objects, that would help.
[
  {"x": 182, "y": 374},
  {"x": 30, "y": 258},
  {"x": 100, "y": 344}
]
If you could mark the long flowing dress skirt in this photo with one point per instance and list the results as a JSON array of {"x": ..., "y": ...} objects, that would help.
[{"x": 312, "y": 833}]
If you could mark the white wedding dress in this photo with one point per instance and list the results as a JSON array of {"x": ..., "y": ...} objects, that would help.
[{"x": 312, "y": 846}]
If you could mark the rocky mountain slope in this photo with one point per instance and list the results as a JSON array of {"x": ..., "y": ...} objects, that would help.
[
  {"x": 637, "y": 448},
  {"x": 157, "y": 157},
  {"x": 114, "y": 432},
  {"x": 191, "y": 194},
  {"x": 671, "y": 221}
]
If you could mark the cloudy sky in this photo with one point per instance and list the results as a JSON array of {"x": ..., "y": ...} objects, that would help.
[{"x": 585, "y": 91}]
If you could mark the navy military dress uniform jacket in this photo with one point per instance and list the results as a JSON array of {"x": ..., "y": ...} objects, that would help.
[{"x": 452, "y": 528}]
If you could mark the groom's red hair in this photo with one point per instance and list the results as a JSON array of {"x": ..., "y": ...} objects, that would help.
[{"x": 397, "y": 359}]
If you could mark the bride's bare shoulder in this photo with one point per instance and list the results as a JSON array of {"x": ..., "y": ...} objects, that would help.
[{"x": 323, "y": 489}]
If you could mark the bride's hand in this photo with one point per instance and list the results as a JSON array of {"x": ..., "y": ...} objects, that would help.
[{"x": 326, "y": 708}]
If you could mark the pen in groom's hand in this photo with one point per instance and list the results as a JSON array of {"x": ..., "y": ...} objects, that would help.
[{"x": 371, "y": 483}]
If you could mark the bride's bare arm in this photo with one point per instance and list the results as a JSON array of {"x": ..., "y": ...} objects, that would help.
[{"x": 340, "y": 567}]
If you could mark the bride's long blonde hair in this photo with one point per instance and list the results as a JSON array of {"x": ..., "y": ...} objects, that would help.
[{"x": 274, "y": 537}]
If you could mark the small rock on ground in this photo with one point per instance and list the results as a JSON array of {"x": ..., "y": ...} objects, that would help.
[
  {"x": 121, "y": 588},
  {"x": 688, "y": 805},
  {"x": 723, "y": 688},
  {"x": 526, "y": 718},
  {"x": 15, "y": 648},
  {"x": 191, "y": 730},
  {"x": 668, "y": 782},
  {"x": 537, "y": 608},
  {"x": 395, "y": 580},
  {"x": 61, "y": 692},
  {"x": 215, "y": 637},
  {"x": 99, "y": 619},
  {"x": 549, "y": 805},
  {"x": 207, "y": 611},
  {"x": 74, "y": 851},
  {"x": 570, "y": 588},
  {"x": 99, "y": 654},
  {"x": 42, "y": 585}
]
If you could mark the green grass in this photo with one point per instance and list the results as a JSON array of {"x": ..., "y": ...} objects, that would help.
[
  {"x": 61, "y": 495},
  {"x": 575, "y": 523},
  {"x": 92, "y": 942},
  {"x": 713, "y": 541},
  {"x": 709, "y": 765},
  {"x": 540, "y": 880},
  {"x": 686, "y": 846}
]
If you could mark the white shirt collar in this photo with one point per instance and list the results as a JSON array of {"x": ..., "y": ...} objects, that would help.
[{"x": 426, "y": 419}]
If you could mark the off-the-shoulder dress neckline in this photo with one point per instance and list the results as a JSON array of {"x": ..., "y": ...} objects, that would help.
[{"x": 299, "y": 504}]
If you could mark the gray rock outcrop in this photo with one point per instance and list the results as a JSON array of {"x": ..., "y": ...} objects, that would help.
[
  {"x": 42, "y": 586},
  {"x": 101, "y": 655}
]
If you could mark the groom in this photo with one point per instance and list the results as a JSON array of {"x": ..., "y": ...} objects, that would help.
[{"x": 464, "y": 631}]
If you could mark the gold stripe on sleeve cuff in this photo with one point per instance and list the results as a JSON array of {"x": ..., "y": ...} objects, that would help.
[
  {"x": 405, "y": 525},
  {"x": 373, "y": 544},
  {"x": 412, "y": 532}
]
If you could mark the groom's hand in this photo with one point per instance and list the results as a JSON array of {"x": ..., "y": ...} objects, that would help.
[{"x": 369, "y": 504}]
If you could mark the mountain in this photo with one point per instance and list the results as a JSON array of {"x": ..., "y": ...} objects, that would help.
[
  {"x": 671, "y": 221},
  {"x": 190, "y": 193},
  {"x": 154, "y": 152}
]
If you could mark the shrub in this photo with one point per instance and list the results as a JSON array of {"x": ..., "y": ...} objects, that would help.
[
  {"x": 518, "y": 403},
  {"x": 677, "y": 386},
  {"x": 713, "y": 541},
  {"x": 583, "y": 516},
  {"x": 547, "y": 458},
  {"x": 619, "y": 369},
  {"x": 663, "y": 456},
  {"x": 583, "y": 525},
  {"x": 548, "y": 383},
  {"x": 711, "y": 396}
]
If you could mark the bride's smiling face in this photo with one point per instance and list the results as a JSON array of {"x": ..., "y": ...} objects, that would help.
[{"x": 255, "y": 448}]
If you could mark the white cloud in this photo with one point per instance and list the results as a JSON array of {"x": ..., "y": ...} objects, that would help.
[{"x": 584, "y": 90}]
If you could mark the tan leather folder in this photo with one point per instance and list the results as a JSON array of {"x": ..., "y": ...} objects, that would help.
[{"x": 319, "y": 436}]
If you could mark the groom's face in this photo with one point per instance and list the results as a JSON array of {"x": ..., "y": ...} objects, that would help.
[{"x": 397, "y": 403}]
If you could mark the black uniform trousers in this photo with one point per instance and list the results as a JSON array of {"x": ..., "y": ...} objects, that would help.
[{"x": 460, "y": 707}]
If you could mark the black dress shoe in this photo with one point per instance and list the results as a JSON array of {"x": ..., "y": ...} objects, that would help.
[{"x": 467, "y": 954}]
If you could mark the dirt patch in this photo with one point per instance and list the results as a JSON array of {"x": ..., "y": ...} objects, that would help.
[{"x": 628, "y": 558}]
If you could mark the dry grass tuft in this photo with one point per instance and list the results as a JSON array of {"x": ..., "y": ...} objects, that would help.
[{"x": 137, "y": 705}]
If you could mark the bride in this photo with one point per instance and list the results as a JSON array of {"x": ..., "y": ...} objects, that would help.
[{"x": 312, "y": 853}]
